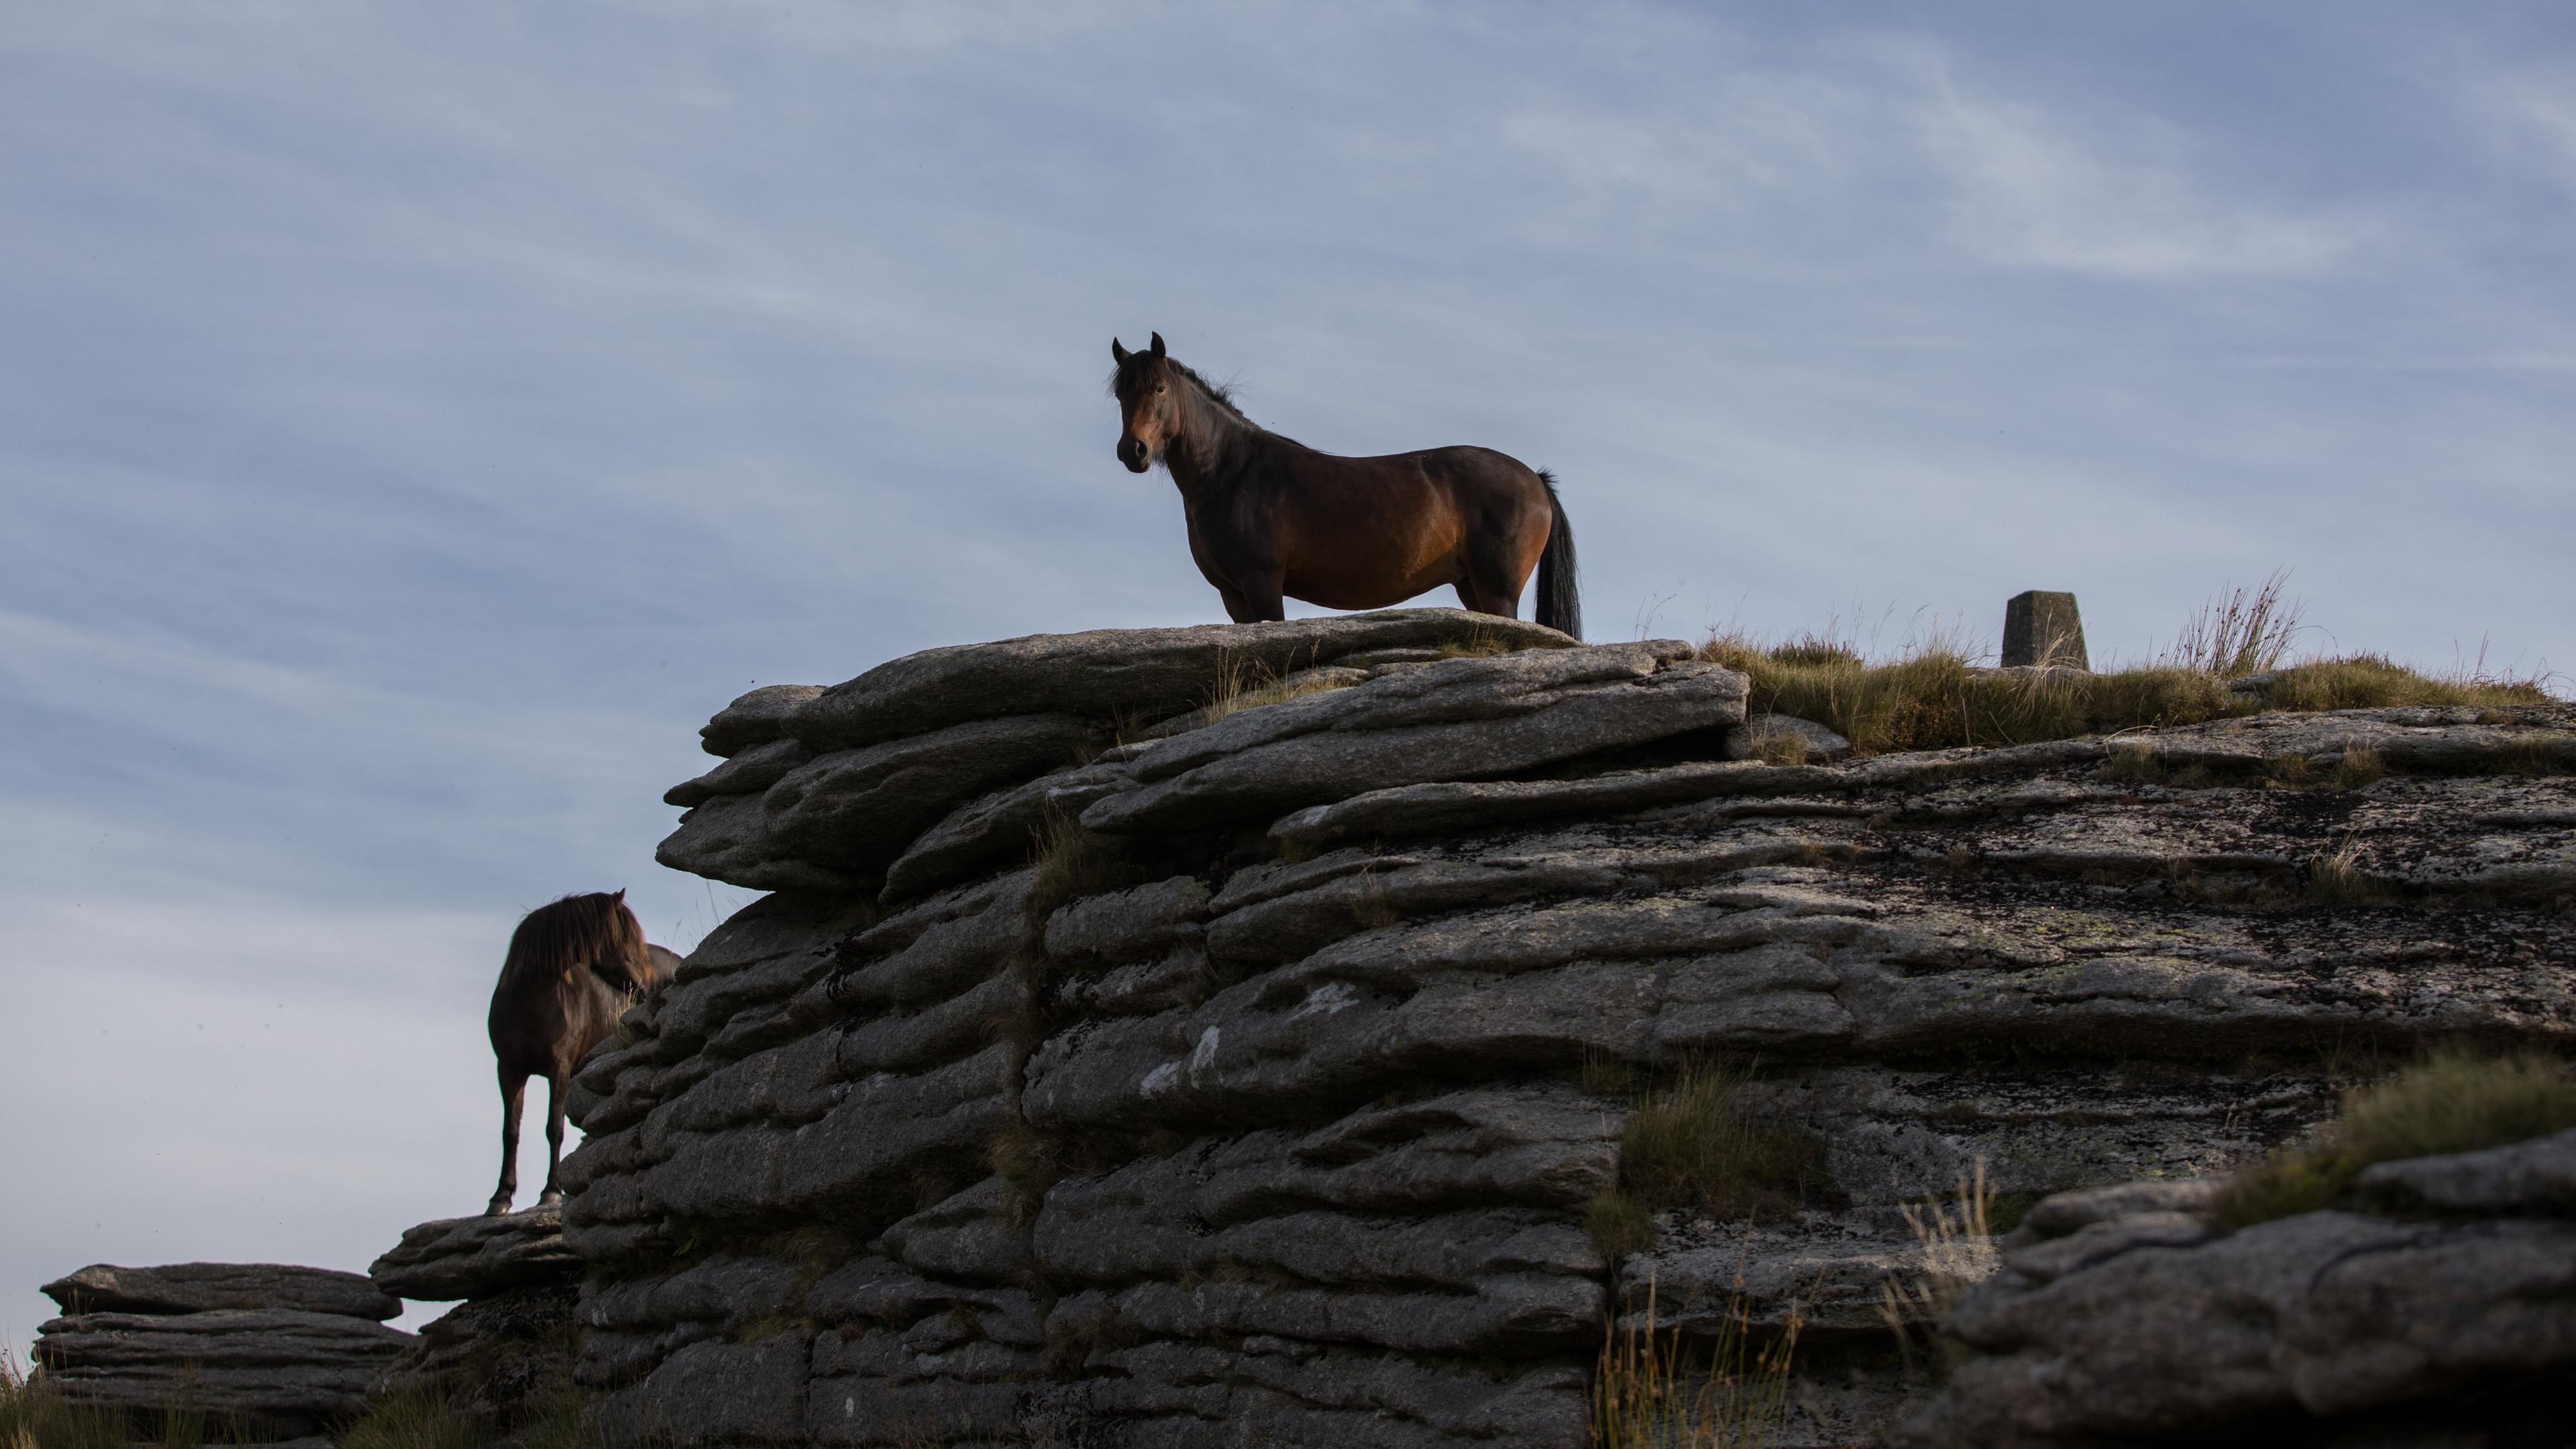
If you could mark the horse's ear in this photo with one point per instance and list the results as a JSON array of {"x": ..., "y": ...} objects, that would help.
[
  {"x": 621, "y": 893},
  {"x": 1158, "y": 344},
  {"x": 1119, "y": 352}
]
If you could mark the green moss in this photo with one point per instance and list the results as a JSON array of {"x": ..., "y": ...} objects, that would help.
[{"x": 2451, "y": 1102}]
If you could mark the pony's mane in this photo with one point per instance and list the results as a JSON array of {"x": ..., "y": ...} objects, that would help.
[
  {"x": 594, "y": 932},
  {"x": 1217, "y": 393}
]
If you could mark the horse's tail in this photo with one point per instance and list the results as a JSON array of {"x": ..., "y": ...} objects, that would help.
[{"x": 1560, "y": 607}]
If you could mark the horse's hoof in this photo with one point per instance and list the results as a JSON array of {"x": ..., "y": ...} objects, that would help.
[
  {"x": 498, "y": 1208},
  {"x": 549, "y": 1199}
]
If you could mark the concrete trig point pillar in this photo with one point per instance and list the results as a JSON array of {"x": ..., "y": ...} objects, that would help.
[{"x": 2043, "y": 628}]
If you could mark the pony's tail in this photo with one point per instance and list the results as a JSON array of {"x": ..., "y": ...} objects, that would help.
[{"x": 1560, "y": 607}]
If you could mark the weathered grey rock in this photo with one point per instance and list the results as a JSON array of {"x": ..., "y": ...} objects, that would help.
[
  {"x": 2042, "y": 628},
  {"x": 475, "y": 1257},
  {"x": 977, "y": 1236},
  {"x": 756, "y": 718},
  {"x": 1463, "y": 719},
  {"x": 1829, "y": 1276},
  {"x": 728, "y": 839},
  {"x": 713, "y": 1392},
  {"x": 855, "y": 810},
  {"x": 1132, "y": 925},
  {"x": 1112, "y": 672},
  {"x": 2532, "y": 1179},
  {"x": 198, "y": 1287},
  {"x": 495, "y": 1358},
  {"x": 753, "y": 770},
  {"x": 289, "y": 1372},
  {"x": 1806, "y": 741},
  {"x": 2066, "y": 1213},
  {"x": 998, "y": 830},
  {"x": 1257, "y": 696},
  {"x": 2324, "y": 1314}
]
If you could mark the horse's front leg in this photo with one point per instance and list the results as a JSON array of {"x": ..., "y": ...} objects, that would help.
[
  {"x": 514, "y": 1091},
  {"x": 555, "y": 1086}
]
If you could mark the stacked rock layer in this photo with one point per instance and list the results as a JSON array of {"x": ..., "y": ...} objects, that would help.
[
  {"x": 1217, "y": 1035},
  {"x": 255, "y": 1351}
]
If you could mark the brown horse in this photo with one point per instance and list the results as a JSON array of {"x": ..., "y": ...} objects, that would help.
[
  {"x": 574, "y": 967},
  {"x": 1270, "y": 517}
]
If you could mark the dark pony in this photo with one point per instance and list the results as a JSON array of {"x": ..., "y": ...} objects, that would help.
[
  {"x": 1270, "y": 517},
  {"x": 574, "y": 967}
]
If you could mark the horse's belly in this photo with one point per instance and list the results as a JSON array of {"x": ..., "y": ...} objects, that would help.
[{"x": 1367, "y": 588}]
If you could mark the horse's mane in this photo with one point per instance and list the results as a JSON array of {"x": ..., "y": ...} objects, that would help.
[
  {"x": 1218, "y": 393},
  {"x": 594, "y": 932}
]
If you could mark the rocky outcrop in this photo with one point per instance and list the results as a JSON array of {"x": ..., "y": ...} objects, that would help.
[
  {"x": 511, "y": 1342},
  {"x": 2447, "y": 1317},
  {"x": 1262, "y": 1060},
  {"x": 271, "y": 1351}
]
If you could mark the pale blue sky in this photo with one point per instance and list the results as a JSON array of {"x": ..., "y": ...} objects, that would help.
[{"x": 415, "y": 420}]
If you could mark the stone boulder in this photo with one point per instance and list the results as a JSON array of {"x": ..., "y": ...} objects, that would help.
[
  {"x": 279, "y": 1372},
  {"x": 204, "y": 1287},
  {"x": 478, "y": 1257},
  {"x": 2126, "y": 1314},
  {"x": 495, "y": 1358}
]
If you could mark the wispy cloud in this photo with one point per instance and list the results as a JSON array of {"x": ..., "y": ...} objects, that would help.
[{"x": 2122, "y": 196}]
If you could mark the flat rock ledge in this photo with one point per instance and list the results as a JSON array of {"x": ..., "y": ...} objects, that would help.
[
  {"x": 208, "y": 1338},
  {"x": 928, "y": 770},
  {"x": 453, "y": 1258},
  {"x": 2444, "y": 1316}
]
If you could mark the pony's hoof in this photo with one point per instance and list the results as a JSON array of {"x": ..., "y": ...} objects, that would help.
[
  {"x": 550, "y": 1199},
  {"x": 499, "y": 1207}
]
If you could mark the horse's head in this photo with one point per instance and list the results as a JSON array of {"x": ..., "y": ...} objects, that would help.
[{"x": 1149, "y": 409}]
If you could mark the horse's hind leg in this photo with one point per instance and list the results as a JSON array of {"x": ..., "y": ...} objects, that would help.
[
  {"x": 555, "y": 1086},
  {"x": 514, "y": 1092}
]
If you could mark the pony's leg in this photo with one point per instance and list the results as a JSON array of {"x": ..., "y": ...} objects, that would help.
[
  {"x": 555, "y": 1086},
  {"x": 514, "y": 1091}
]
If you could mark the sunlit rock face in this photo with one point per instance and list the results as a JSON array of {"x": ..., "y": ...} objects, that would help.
[{"x": 1201, "y": 1036}]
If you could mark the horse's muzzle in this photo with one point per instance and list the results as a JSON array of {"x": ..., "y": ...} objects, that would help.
[{"x": 1131, "y": 451}]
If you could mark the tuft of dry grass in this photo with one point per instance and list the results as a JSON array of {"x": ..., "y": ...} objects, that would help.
[
  {"x": 2336, "y": 879},
  {"x": 1957, "y": 1239},
  {"x": 1071, "y": 862},
  {"x": 2241, "y": 631},
  {"x": 1935, "y": 700},
  {"x": 33, "y": 1416},
  {"x": 1652, "y": 1391},
  {"x": 2373, "y": 681},
  {"x": 2452, "y": 1101},
  {"x": 1691, "y": 1145}
]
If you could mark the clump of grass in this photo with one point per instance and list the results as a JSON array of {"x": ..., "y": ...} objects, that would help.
[
  {"x": 1691, "y": 1145},
  {"x": 2453, "y": 1101},
  {"x": 34, "y": 1416},
  {"x": 2241, "y": 631},
  {"x": 2373, "y": 681},
  {"x": 1651, "y": 1391},
  {"x": 1029, "y": 1162},
  {"x": 1957, "y": 1239},
  {"x": 1071, "y": 862},
  {"x": 418, "y": 1418},
  {"x": 2335, "y": 878},
  {"x": 1935, "y": 700}
]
